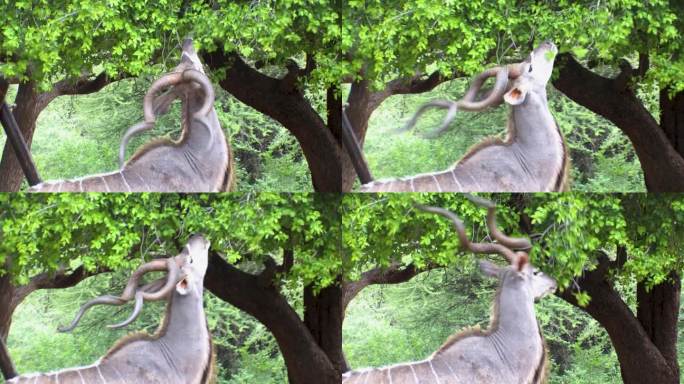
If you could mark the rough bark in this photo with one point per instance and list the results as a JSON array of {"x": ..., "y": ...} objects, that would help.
[
  {"x": 613, "y": 98},
  {"x": 305, "y": 360},
  {"x": 25, "y": 113},
  {"x": 29, "y": 104},
  {"x": 4, "y": 86},
  {"x": 657, "y": 312},
  {"x": 672, "y": 118},
  {"x": 394, "y": 274},
  {"x": 282, "y": 100},
  {"x": 323, "y": 317},
  {"x": 646, "y": 343},
  {"x": 6, "y": 365}
]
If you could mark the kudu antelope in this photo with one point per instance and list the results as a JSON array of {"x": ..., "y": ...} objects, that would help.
[
  {"x": 511, "y": 351},
  {"x": 533, "y": 158},
  {"x": 180, "y": 352},
  {"x": 200, "y": 161}
]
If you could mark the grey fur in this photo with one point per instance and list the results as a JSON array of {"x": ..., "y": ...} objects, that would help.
[{"x": 510, "y": 352}]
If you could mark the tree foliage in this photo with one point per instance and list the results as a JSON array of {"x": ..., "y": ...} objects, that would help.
[
  {"x": 45, "y": 39},
  {"x": 115, "y": 231},
  {"x": 407, "y": 37},
  {"x": 567, "y": 230}
]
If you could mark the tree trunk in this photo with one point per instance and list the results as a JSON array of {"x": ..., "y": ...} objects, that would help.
[
  {"x": 645, "y": 344},
  {"x": 283, "y": 101},
  {"x": 305, "y": 360},
  {"x": 672, "y": 118},
  {"x": 615, "y": 100},
  {"x": 4, "y": 86},
  {"x": 323, "y": 318},
  {"x": 25, "y": 113},
  {"x": 6, "y": 365},
  {"x": 11, "y": 296},
  {"x": 658, "y": 313},
  {"x": 363, "y": 101},
  {"x": 6, "y": 311}
]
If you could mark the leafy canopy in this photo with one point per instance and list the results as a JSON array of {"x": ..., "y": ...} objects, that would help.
[
  {"x": 401, "y": 38},
  {"x": 116, "y": 231},
  {"x": 567, "y": 231},
  {"x": 44, "y": 39}
]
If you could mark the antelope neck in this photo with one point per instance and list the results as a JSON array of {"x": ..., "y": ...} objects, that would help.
[
  {"x": 516, "y": 331},
  {"x": 185, "y": 316},
  {"x": 536, "y": 132}
]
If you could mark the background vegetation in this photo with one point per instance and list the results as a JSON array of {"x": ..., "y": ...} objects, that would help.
[{"x": 245, "y": 351}]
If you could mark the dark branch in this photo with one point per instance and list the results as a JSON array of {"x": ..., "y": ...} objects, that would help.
[
  {"x": 54, "y": 280},
  {"x": 6, "y": 364},
  {"x": 268, "y": 273},
  {"x": 644, "y": 65},
  {"x": 396, "y": 273},
  {"x": 288, "y": 106},
  {"x": 83, "y": 85},
  {"x": 288, "y": 261},
  {"x": 626, "y": 332},
  {"x": 4, "y": 86},
  {"x": 402, "y": 86},
  {"x": 271, "y": 308}
]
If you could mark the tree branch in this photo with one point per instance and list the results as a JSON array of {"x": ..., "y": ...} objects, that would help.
[
  {"x": 4, "y": 86},
  {"x": 54, "y": 280},
  {"x": 81, "y": 86},
  {"x": 396, "y": 273},
  {"x": 289, "y": 107},
  {"x": 270, "y": 307},
  {"x": 402, "y": 86},
  {"x": 6, "y": 365},
  {"x": 611, "y": 98}
]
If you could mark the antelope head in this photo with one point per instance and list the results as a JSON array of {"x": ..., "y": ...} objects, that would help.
[
  {"x": 532, "y": 74},
  {"x": 187, "y": 82},
  {"x": 528, "y": 75},
  {"x": 519, "y": 275},
  {"x": 185, "y": 276}
]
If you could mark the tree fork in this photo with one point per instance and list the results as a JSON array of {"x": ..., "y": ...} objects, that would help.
[
  {"x": 281, "y": 100},
  {"x": 657, "y": 311}
]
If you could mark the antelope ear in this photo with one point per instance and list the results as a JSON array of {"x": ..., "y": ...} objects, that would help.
[
  {"x": 489, "y": 269},
  {"x": 522, "y": 261},
  {"x": 182, "y": 287},
  {"x": 516, "y": 95}
]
